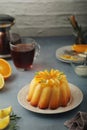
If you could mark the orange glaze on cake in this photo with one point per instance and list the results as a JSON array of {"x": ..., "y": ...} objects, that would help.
[{"x": 49, "y": 89}]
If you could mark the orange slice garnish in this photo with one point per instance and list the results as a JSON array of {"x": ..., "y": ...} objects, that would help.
[
  {"x": 79, "y": 48},
  {"x": 5, "y": 68}
]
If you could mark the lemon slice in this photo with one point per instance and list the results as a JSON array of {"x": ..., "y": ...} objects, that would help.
[
  {"x": 68, "y": 57},
  {"x": 4, "y": 122},
  {"x": 2, "y": 83},
  {"x": 5, "y": 112}
]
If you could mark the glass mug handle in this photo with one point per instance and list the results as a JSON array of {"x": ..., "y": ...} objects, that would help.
[{"x": 37, "y": 50}]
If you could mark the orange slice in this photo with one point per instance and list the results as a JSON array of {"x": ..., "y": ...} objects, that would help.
[
  {"x": 79, "y": 48},
  {"x": 5, "y": 68}
]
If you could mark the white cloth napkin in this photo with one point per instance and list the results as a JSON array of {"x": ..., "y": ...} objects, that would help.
[{"x": 78, "y": 122}]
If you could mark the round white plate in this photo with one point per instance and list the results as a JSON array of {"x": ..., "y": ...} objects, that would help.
[
  {"x": 76, "y": 99},
  {"x": 5, "y": 56},
  {"x": 67, "y": 50}
]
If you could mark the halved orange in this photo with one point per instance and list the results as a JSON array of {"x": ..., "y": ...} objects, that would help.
[
  {"x": 5, "y": 68},
  {"x": 79, "y": 47}
]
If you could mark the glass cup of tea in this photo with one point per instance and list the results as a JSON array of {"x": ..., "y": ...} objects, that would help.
[{"x": 24, "y": 52}]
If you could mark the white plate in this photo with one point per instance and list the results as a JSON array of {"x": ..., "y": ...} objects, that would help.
[
  {"x": 5, "y": 56},
  {"x": 67, "y": 50},
  {"x": 76, "y": 99}
]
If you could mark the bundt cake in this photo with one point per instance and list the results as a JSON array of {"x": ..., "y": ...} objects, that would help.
[{"x": 49, "y": 89}]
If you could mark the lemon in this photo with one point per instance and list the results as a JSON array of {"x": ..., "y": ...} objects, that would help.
[
  {"x": 5, "y": 112},
  {"x": 4, "y": 122},
  {"x": 2, "y": 83}
]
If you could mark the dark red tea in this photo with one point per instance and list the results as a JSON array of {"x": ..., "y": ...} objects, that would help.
[
  {"x": 4, "y": 44},
  {"x": 23, "y": 55}
]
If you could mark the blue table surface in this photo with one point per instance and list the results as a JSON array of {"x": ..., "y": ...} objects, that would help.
[{"x": 18, "y": 79}]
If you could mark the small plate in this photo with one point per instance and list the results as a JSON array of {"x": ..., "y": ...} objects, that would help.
[
  {"x": 66, "y": 54},
  {"x": 76, "y": 99},
  {"x": 5, "y": 56}
]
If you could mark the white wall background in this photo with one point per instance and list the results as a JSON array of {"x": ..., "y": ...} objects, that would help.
[{"x": 45, "y": 17}]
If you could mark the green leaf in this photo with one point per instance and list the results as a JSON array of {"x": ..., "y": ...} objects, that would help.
[{"x": 13, "y": 122}]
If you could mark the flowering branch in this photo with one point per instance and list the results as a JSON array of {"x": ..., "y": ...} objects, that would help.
[{"x": 77, "y": 29}]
